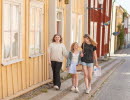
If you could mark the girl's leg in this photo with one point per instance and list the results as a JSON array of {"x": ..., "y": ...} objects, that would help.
[
  {"x": 85, "y": 70},
  {"x": 73, "y": 80},
  {"x": 53, "y": 64},
  {"x": 90, "y": 71},
  {"x": 57, "y": 73},
  {"x": 76, "y": 80}
]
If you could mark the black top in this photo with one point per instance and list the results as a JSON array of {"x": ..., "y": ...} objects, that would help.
[{"x": 88, "y": 50}]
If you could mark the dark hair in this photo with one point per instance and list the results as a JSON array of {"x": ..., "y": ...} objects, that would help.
[
  {"x": 86, "y": 36},
  {"x": 91, "y": 40},
  {"x": 53, "y": 40}
]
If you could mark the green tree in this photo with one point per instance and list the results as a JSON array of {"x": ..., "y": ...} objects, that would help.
[{"x": 121, "y": 35}]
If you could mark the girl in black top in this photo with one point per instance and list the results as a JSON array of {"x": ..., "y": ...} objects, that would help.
[{"x": 89, "y": 52}]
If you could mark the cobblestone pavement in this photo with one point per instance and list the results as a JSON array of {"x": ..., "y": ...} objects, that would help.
[{"x": 117, "y": 87}]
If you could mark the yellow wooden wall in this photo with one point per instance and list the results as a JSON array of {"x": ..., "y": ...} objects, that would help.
[{"x": 22, "y": 75}]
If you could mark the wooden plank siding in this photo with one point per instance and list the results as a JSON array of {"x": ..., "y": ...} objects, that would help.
[{"x": 22, "y": 75}]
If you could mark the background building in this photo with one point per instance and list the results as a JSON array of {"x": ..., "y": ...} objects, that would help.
[{"x": 97, "y": 14}]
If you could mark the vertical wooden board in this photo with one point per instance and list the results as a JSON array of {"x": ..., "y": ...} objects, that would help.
[
  {"x": 4, "y": 81},
  {"x": 47, "y": 41},
  {"x": 31, "y": 72},
  {"x": 27, "y": 12},
  {"x": 1, "y": 84},
  {"x": 43, "y": 69},
  {"x": 27, "y": 72},
  {"x": 15, "y": 77},
  {"x": 36, "y": 70},
  {"x": 23, "y": 75},
  {"x": 19, "y": 77},
  {"x": 9, "y": 80},
  {"x": 40, "y": 69},
  {"x": 1, "y": 88}
]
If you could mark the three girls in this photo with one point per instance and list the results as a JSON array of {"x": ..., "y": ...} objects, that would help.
[{"x": 57, "y": 51}]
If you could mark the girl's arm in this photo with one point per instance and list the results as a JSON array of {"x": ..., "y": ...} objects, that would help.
[
  {"x": 95, "y": 57},
  {"x": 65, "y": 52},
  {"x": 68, "y": 60}
]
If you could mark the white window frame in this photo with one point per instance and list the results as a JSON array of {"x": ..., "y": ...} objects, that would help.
[
  {"x": 60, "y": 18},
  {"x": 107, "y": 7},
  {"x": 18, "y": 58},
  {"x": 37, "y": 4},
  {"x": 106, "y": 35}
]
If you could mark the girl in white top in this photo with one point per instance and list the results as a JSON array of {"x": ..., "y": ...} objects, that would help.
[
  {"x": 57, "y": 51},
  {"x": 73, "y": 60}
]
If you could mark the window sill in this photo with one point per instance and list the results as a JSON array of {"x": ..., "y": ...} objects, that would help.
[
  {"x": 12, "y": 62},
  {"x": 37, "y": 55}
]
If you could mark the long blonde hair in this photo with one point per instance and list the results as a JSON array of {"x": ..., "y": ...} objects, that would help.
[
  {"x": 72, "y": 46},
  {"x": 94, "y": 43}
]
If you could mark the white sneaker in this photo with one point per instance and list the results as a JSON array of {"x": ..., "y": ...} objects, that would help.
[
  {"x": 90, "y": 88},
  {"x": 87, "y": 91},
  {"x": 56, "y": 87},
  {"x": 72, "y": 88},
  {"x": 76, "y": 90}
]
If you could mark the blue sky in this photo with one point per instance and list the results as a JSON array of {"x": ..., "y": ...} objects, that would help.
[{"x": 125, "y": 4}]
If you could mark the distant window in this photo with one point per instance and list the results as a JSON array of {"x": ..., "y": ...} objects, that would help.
[
  {"x": 11, "y": 31},
  {"x": 36, "y": 27}
]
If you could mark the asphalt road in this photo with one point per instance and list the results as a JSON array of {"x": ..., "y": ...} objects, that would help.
[{"x": 117, "y": 87}]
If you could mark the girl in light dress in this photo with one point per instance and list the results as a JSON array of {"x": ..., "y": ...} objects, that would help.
[{"x": 73, "y": 60}]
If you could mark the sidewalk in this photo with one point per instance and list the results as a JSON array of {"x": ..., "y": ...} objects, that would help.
[{"x": 66, "y": 94}]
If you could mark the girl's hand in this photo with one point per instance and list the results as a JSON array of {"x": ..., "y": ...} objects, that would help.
[
  {"x": 82, "y": 54},
  {"x": 97, "y": 65},
  {"x": 67, "y": 68},
  {"x": 49, "y": 62}
]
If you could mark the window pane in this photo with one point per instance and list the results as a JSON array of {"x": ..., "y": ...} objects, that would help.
[
  {"x": 38, "y": 28},
  {"x": 15, "y": 30},
  {"x": 32, "y": 30},
  {"x": 38, "y": 31},
  {"x": 6, "y": 29}
]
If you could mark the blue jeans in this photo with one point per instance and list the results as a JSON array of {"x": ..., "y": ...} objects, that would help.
[{"x": 87, "y": 64}]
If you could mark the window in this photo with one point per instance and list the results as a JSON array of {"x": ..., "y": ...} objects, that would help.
[
  {"x": 73, "y": 35},
  {"x": 11, "y": 31},
  {"x": 36, "y": 28},
  {"x": 60, "y": 22},
  {"x": 107, "y": 8},
  {"x": 79, "y": 29},
  {"x": 106, "y": 35}
]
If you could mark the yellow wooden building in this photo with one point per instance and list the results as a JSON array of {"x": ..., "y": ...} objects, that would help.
[
  {"x": 23, "y": 46},
  {"x": 119, "y": 21},
  {"x": 26, "y": 28}
]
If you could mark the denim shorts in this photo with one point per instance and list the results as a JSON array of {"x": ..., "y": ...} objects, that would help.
[{"x": 87, "y": 64}]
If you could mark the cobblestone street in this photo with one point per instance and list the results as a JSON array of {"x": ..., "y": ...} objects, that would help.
[{"x": 117, "y": 87}]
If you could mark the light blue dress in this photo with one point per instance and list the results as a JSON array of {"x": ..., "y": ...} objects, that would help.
[{"x": 72, "y": 68}]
